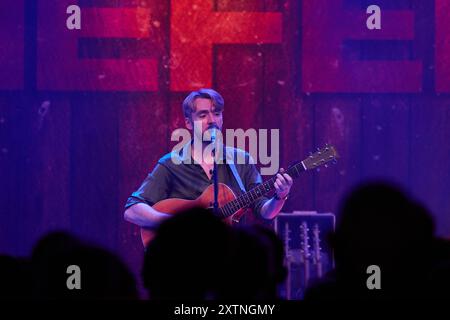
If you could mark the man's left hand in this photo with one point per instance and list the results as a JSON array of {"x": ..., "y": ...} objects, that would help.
[{"x": 283, "y": 184}]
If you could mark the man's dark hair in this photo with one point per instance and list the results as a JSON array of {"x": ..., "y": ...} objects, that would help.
[{"x": 189, "y": 101}]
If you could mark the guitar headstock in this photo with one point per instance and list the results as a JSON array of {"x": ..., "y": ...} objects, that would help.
[
  {"x": 286, "y": 242},
  {"x": 304, "y": 241},
  {"x": 321, "y": 157}
]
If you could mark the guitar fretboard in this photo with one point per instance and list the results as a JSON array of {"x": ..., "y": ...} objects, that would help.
[{"x": 247, "y": 199}]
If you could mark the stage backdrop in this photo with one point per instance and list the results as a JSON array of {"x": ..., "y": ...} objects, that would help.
[{"x": 88, "y": 105}]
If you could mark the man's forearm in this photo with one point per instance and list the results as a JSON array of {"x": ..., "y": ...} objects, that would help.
[
  {"x": 271, "y": 208},
  {"x": 144, "y": 215}
]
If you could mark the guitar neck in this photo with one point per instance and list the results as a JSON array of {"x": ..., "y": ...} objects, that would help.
[{"x": 248, "y": 198}]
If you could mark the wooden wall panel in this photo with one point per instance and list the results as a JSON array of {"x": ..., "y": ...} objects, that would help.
[
  {"x": 430, "y": 157},
  {"x": 94, "y": 168},
  {"x": 9, "y": 172},
  {"x": 337, "y": 121},
  {"x": 384, "y": 146},
  {"x": 80, "y": 157},
  {"x": 53, "y": 155}
]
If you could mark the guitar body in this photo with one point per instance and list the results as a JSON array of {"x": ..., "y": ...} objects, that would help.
[{"x": 205, "y": 200}]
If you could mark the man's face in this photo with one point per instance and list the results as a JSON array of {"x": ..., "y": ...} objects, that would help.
[{"x": 205, "y": 115}]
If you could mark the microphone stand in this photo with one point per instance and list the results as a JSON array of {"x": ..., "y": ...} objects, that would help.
[{"x": 216, "y": 183}]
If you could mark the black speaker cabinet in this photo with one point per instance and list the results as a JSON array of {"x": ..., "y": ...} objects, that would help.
[{"x": 307, "y": 254}]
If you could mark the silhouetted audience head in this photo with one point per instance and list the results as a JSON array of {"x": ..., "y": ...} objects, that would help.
[
  {"x": 15, "y": 278},
  {"x": 196, "y": 256},
  {"x": 380, "y": 225},
  {"x": 187, "y": 259},
  {"x": 257, "y": 264},
  {"x": 102, "y": 274},
  {"x": 439, "y": 286}
]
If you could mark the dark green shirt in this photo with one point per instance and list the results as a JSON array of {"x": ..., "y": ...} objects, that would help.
[{"x": 177, "y": 176}]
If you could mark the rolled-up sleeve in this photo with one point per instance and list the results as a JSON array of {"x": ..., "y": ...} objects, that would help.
[{"x": 155, "y": 187}]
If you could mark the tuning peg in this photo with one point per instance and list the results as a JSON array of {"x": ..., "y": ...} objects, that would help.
[{"x": 326, "y": 166}]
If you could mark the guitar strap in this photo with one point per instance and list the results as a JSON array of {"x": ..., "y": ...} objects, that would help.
[
  {"x": 237, "y": 177},
  {"x": 234, "y": 171}
]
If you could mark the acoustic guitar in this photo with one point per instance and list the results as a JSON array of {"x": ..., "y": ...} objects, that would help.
[{"x": 232, "y": 207}]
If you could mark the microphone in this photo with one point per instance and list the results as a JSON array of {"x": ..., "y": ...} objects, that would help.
[{"x": 213, "y": 131}]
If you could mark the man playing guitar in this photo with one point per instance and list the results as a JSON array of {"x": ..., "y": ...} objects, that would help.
[{"x": 191, "y": 173}]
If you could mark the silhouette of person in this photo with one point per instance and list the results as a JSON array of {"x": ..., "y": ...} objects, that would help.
[
  {"x": 379, "y": 225},
  {"x": 187, "y": 259},
  {"x": 102, "y": 274},
  {"x": 257, "y": 264},
  {"x": 195, "y": 256}
]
